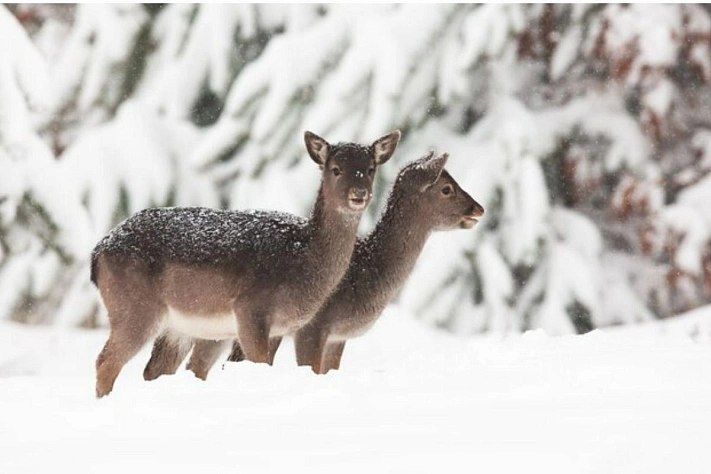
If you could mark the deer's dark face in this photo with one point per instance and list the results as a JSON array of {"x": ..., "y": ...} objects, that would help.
[
  {"x": 440, "y": 202},
  {"x": 348, "y": 169}
]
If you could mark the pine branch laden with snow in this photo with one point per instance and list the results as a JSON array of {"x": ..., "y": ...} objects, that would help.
[
  {"x": 601, "y": 158},
  {"x": 43, "y": 228},
  {"x": 93, "y": 69},
  {"x": 583, "y": 129}
]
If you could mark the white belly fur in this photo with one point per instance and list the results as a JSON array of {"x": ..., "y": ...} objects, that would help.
[{"x": 213, "y": 326}]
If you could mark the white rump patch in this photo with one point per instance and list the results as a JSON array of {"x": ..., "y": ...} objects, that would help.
[{"x": 203, "y": 326}]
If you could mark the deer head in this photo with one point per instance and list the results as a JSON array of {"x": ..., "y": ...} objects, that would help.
[
  {"x": 439, "y": 201},
  {"x": 349, "y": 168}
]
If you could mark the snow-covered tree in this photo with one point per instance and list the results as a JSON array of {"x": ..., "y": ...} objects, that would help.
[
  {"x": 602, "y": 116},
  {"x": 44, "y": 232},
  {"x": 585, "y": 130}
]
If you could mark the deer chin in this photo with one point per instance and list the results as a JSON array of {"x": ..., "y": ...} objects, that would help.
[{"x": 468, "y": 222}]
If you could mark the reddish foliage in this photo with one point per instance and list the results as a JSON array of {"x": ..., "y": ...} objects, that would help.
[
  {"x": 599, "y": 51},
  {"x": 570, "y": 167},
  {"x": 622, "y": 64},
  {"x": 547, "y": 32},
  {"x": 525, "y": 45},
  {"x": 652, "y": 125},
  {"x": 541, "y": 38},
  {"x": 632, "y": 201},
  {"x": 27, "y": 15},
  {"x": 647, "y": 238},
  {"x": 671, "y": 277}
]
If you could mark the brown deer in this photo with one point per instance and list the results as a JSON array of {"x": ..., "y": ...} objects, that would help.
[
  {"x": 424, "y": 198},
  {"x": 185, "y": 273}
]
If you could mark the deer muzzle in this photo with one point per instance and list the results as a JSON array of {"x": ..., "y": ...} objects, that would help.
[
  {"x": 358, "y": 199},
  {"x": 471, "y": 218}
]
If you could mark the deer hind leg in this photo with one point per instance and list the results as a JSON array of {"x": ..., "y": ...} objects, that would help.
[
  {"x": 128, "y": 336},
  {"x": 136, "y": 316},
  {"x": 309, "y": 343},
  {"x": 332, "y": 357},
  {"x": 204, "y": 356},
  {"x": 169, "y": 350}
]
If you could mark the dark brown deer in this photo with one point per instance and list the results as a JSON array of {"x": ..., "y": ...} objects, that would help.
[
  {"x": 425, "y": 198},
  {"x": 185, "y": 273}
]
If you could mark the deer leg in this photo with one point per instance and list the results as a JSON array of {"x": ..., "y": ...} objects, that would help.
[
  {"x": 126, "y": 339},
  {"x": 309, "y": 343},
  {"x": 205, "y": 354},
  {"x": 169, "y": 350},
  {"x": 332, "y": 357},
  {"x": 253, "y": 331},
  {"x": 236, "y": 355},
  {"x": 274, "y": 343}
]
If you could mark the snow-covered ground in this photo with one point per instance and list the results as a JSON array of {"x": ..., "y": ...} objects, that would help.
[{"x": 406, "y": 400}]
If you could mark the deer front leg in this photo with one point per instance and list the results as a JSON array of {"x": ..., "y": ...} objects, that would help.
[
  {"x": 204, "y": 356},
  {"x": 274, "y": 343},
  {"x": 332, "y": 357},
  {"x": 309, "y": 343},
  {"x": 253, "y": 333},
  {"x": 237, "y": 355}
]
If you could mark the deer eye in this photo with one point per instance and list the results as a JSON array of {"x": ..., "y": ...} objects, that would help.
[
  {"x": 447, "y": 190},
  {"x": 371, "y": 172},
  {"x": 336, "y": 171}
]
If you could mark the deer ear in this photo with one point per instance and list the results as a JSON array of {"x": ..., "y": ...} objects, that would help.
[
  {"x": 435, "y": 166},
  {"x": 384, "y": 147},
  {"x": 425, "y": 159},
  {"x": 317, "y": 147}
]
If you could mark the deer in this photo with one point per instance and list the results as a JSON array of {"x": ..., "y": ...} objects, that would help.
[
  {"x": 425, "y": 198},
  {"x": 182, "y": 273}
]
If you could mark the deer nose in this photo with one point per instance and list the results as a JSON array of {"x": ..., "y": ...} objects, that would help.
[
  {"x": 471, "y": 217},
  {"x": 477, "y": 210},
  {"x": 356, "y": 194},
  {"x": 357, "y": 198}
]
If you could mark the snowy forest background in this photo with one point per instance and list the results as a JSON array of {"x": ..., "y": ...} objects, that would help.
[{"x": 584, "y": 130}]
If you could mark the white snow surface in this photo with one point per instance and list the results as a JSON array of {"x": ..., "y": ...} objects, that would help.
[{"x": 407, "y": 399}]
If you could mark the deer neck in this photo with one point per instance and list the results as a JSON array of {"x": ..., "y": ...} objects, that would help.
[
  {"x": 396, "y": 242},
  {"x": 333, "y": 235}
]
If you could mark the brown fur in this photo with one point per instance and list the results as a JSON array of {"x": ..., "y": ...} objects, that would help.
[
  {"x": 381, "y": 263},
  {"x": 177, "y": 272},
  {"x": 172, "y": 347},
  {"x": 200, "y": 358}
]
